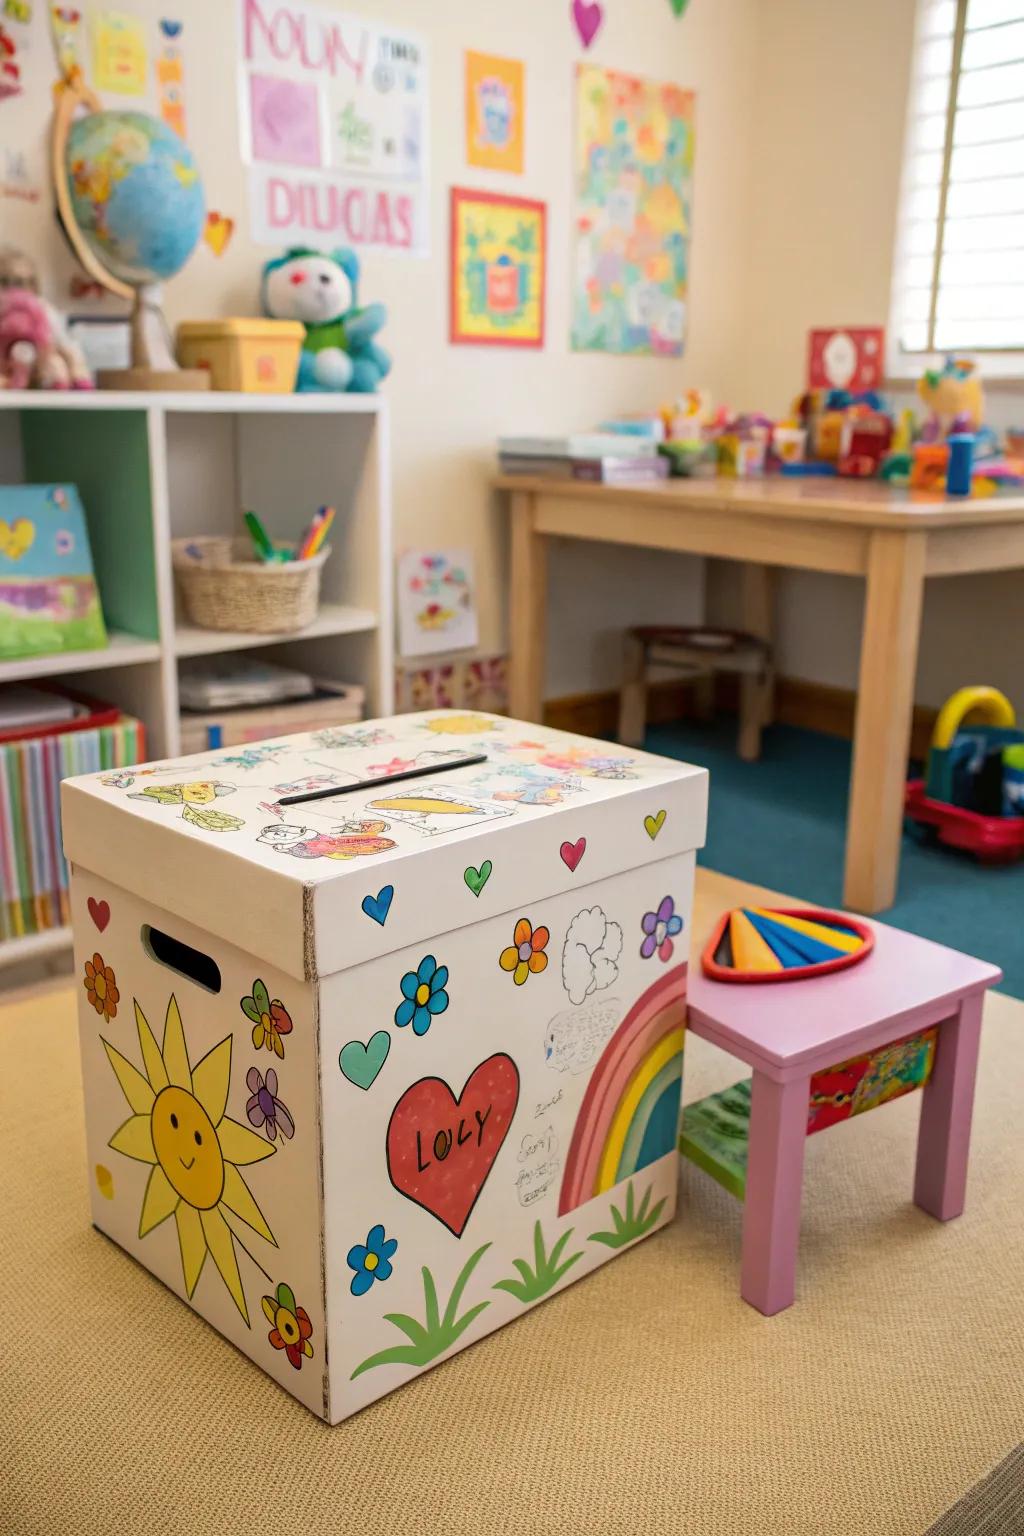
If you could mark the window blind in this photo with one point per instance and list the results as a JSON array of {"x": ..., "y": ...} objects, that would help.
[{"x": 959, "y": 280}]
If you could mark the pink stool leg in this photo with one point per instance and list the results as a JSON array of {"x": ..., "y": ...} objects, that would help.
[
  {"x": 771, "y": 1205},
  {"x": 944, "y": 1134}
]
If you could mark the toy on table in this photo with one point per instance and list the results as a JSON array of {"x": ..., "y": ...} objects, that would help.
[
  {"x": 929, "y": 466},
  {"x": 339, "y": 352},
  {"x": 954, "y": 397},
  {"x": 865, "y": 440},
  {"x": 971, "y": 794},
  {"x": 759, "y": 944},
  {"x": 961, "y": 463},
  {"x": 36, "y": 350}
]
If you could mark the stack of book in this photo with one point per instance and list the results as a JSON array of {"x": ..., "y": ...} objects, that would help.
[
  {"x": 616, "y": 458},
  {"x": 46, "y": 736},
  {"x": 227, "y": 701}
]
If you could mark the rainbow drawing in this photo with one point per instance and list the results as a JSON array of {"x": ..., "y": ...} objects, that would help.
[{"x": 630, "y": 1112}]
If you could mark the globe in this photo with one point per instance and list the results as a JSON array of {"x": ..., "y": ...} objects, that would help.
[{"x": 135, "y": 194}]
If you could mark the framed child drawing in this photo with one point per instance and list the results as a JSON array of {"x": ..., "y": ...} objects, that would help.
[{"x": 498, "y": 269}]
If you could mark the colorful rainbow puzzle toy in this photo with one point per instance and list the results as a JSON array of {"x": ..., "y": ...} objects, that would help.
[
  {"x": 758, "y": 944},
  {"x": 382, "y": 1029}
]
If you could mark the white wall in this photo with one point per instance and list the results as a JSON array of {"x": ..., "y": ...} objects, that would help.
[{"x": 451, "y": 402}]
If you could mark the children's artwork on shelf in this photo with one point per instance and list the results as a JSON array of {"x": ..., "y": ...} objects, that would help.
[
  {"x": 634, "y": 184},
  {"x": 436, "y": 602},
  {"x": 334, "y": 128},
  {"x": 48, "y": 596},
  {"x": 850, "y": 357},
  {"x": 495, "y": 108},
  {"x": 498, "y": 269}
]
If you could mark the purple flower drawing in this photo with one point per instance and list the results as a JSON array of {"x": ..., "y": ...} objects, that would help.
[
  {"x": 265, "y": 1109},
  {"x": 659, "y": 928}
]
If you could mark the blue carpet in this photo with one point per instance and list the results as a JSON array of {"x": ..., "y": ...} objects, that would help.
[{"x": 782, "y": 823}]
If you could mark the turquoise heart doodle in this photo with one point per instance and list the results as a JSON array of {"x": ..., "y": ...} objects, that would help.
[
  {"x": 379, "y": 906},
  {"x": 476, "y": 879},
  {"x": 361, "y": 1063}
]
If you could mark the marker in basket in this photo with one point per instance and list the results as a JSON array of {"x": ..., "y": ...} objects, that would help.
[
  {"x": 316, "y": 534},
  {"x": 257, "y": 533}
]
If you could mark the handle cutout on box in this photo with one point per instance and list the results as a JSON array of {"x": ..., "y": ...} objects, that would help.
[{"x": 177, "y": 956}]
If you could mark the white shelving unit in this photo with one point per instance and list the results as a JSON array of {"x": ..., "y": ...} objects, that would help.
[{"x": 152, "y": 467}]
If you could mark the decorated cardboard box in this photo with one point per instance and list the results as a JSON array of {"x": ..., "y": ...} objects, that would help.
[{"x": 381, "y": 1046}]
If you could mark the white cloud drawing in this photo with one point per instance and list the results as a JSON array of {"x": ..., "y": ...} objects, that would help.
[{"x": 592, "y": 946}]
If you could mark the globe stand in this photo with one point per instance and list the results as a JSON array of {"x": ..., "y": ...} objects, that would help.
[{"x": 152, "y": 366}]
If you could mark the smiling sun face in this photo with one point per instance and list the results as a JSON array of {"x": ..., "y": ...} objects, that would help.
[{"x": 178, "y": 1125}]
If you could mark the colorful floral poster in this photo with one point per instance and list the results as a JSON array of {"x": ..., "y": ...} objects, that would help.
[
  {"x": 495, "y": 106},
  {"x": 498, "y": 269},
  {"x": 634, "y": 197}
]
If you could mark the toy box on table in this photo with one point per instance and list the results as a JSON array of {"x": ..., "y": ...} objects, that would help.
[{"x": 368, "y": 1074}]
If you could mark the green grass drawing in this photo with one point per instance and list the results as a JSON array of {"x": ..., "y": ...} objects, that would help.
[
  {"x": 632, "y": 1225},
  {"x": 435, "y": 1334},
  {"x": 546, "y": 1271}
]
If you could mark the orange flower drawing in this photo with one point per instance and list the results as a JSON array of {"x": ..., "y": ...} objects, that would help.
[
  {"x": 526, "y": 954},
  {"x": 101, "y": 987}
]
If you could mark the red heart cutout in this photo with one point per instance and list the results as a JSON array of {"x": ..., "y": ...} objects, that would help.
[
  {"x": 573, "y": 852},
  {"x": 99, "y": 911},
  {"x": 441, "y": 1148}
]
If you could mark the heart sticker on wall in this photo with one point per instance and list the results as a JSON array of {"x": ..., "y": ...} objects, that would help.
[
  {"x": 379, "y": 906},
  {"x": 361, "y": 1063},
  {"x": 217, "y": 232},
  {"x": 476, "y": 879},
  {"x": 572, "y": 853},
  {"x": 440, "y": 1148},
  {"x": 587, "y": 16},
  {"x": 99, "y": 911}
]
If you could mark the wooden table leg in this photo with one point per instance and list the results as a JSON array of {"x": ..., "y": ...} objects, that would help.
[
  {"x": 885, "y": 699},
  {"x": 528, "y": 612},
  {"x": 771, "y": 1203},
  {"x": 757, "y": 695},
  {"x": 944, "y": 1133}
]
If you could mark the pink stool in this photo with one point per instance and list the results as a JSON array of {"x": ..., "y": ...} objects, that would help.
[{"x": 821, "y": 1050}]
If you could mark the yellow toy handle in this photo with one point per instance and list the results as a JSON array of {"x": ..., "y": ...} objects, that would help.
[{"x": 993, "y": 707}]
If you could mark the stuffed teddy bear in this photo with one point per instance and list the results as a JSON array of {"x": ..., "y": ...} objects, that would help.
[
  {"x": 339, "y": 352},
  {"x": 54, "y": 361}
]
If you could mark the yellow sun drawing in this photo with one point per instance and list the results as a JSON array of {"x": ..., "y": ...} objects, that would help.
[{"x": 178, "y": 1125}]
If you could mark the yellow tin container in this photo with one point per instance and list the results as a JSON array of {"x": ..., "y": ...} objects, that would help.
[{"x": 255, "y": 356}]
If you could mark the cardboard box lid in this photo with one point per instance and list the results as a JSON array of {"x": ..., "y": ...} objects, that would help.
[{"x": 321, "y": 885}]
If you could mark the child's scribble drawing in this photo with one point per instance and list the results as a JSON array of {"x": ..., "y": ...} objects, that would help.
[{"x": 346, "y": 840}]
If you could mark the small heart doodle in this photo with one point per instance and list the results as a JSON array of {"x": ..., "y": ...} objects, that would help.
[
  {"x": 16, "y": 539},
  {"x": 441, "y": 1149},
  {"x": 572, "y": 853},
  {"x": 99, "y": 911},
  {"x": 104, "y": 1181},
  {"x": 588, "y": 16},
  {"x": 361, "y": 1063},
  {"x": 379, "y": 906},
  {"x": 476, "y": 879},
  {"x": 679, "y": 6},
  {"x": 654, "y": 824}
]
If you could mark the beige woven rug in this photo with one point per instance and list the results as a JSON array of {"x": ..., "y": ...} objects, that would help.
[{"x": 649, "y": 1398}]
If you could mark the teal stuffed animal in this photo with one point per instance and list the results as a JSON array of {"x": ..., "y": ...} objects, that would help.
[{"x": 339, "y": 352}]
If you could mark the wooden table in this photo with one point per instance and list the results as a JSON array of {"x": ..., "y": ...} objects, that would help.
[
  {"x": 791, "y": 1031},
  {"x": 893, "y": 539}
]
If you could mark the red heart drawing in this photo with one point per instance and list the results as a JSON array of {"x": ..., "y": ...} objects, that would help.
[
  {"x": 573, "y": 852},
  {"x": 440, "y": 1148},
  {"x": 99, "y": 911}
]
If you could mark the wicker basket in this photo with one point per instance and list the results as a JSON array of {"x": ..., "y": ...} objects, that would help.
[{"x": 223, "y": 587}]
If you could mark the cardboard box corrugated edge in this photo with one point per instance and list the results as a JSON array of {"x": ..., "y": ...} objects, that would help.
[
  {"x": 342, "y": 937},
  {"x": 192, "y": 877}
]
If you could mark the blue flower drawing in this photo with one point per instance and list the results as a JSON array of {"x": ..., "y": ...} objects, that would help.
[
  {"x": 372, "y": 1261},
  {"x": 423, "y": 995}
]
